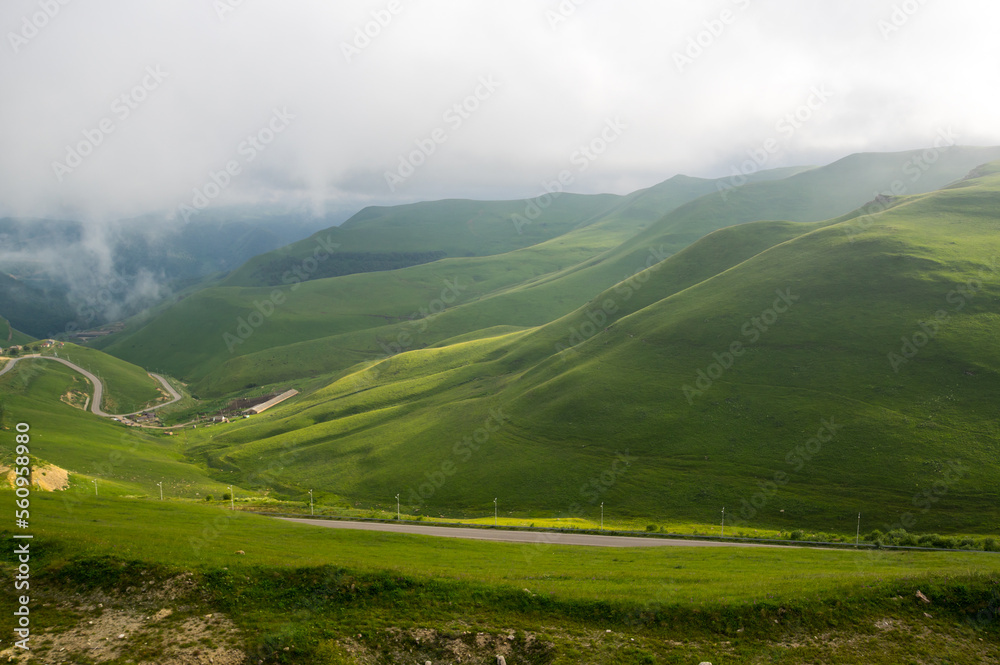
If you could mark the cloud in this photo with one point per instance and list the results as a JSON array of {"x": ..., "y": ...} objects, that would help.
[{"x": 356, "y": 112}]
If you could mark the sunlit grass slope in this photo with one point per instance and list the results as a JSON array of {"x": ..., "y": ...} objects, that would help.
[
  {"x": 188, "y": 340},
  {"x": 324, "y": 326},
  {"x": 823, "y": 411},
  {"x": 125, "y": 461},
  {"x": 127, "y": 387}
]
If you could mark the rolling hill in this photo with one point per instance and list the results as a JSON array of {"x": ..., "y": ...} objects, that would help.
[
  {"x": 125, "y": 461},
  {"x": 228, "y": 337},
  {"x": 835, "y": 367}
]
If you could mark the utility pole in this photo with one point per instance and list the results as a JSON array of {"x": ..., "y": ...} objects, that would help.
[
  {"x": 232, "y": 499},
  {"x": 494, "y": 511},
  {"x": 311, "y": 503},
  {"x": 857, "y": 537},
  {"x": 95, "y": 486},
  {"x": 160, "y": 484},
  {"x": 397, "y": 508},
  {"x": 723, "y": 522},
  {"x": 602, "y": 516}
]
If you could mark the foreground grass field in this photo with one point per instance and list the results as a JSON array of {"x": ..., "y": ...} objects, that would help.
[{"x": 331, "y": 595}]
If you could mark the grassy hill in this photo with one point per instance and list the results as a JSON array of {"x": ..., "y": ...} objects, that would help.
[
  {"x": 324, "y": 326},
  {"x": 125, "y": 461},
  {"x": 187, "y": 339},
  {"x": 9, "y": 336},
  {"x": 651, "y": 413},
  {"x": 420, "y": 233},
  {"x": 127, "y": 387}
]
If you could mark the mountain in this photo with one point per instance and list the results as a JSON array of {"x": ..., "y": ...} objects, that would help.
[
  {"x": 9, "y": 336},
  {"x": 793, "y": 373},
  {"x": 62, "y": 275},
  {"x": 234, "y": 335}
]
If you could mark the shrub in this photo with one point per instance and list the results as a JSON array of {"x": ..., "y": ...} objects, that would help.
[
  {"x": 928, "y": 539},
  {"x": 651, "y": 527},
  {"x": 208, "y": 497},
  {"x": 227, "y": 496},
  {"x": 900, "y": 537},
  {"x": 873, "y": 537},
  {"x": 990, "y": 545},
  {"x": 798, "y": 534}
]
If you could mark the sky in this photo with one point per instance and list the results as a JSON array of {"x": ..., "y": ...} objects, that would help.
[{"x": 115, "y": 108}]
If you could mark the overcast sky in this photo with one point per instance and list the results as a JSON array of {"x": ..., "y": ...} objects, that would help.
[{"x": 117, "y": 107}]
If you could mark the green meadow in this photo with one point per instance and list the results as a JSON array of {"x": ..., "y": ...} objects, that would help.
[{"x": 309, "y": 594}]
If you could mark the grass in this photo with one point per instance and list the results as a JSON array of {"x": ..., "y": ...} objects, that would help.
[
  {"x": 400, "y": 424},
  {"x": 127, "y": 387},
  {"x": 326, "y": 326},
  {"x": 312, "y": 589},
  {"x": 174, "y": 533},
  {"x": 9, "y": 336},
  {"x": 125, "y": 461}
]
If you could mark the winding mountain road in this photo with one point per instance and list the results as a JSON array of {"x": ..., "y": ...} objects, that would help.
[
  {"x": 95, "y": 405},
  {"x": 533, "y": 537}
]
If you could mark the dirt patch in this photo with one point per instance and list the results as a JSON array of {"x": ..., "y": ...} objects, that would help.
[
  {"x": 159, "y": 625},
  {"x": 76, "y": 398},
  {"x": 47, "y": 477},
  {"x": 460, "y": 646},
  {"x": 50, "y": 478}
]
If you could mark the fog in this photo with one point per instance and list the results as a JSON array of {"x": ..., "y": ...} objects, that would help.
[{"x": 317, "y": 104}]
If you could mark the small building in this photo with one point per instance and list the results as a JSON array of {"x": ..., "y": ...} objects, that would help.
[{"x": 261, "y": 408}]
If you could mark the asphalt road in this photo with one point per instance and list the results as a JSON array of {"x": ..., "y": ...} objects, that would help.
[
  {"x": 95, "y": 406},
  {"x": 546, "y": 537}
]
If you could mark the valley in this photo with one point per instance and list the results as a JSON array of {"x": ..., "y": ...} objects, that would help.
[{"x": 785, "y": 361}]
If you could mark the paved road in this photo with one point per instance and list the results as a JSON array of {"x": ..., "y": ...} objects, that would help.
[
  {"x": 546, "y": 537},
  {"x": 95, "y": 406}
]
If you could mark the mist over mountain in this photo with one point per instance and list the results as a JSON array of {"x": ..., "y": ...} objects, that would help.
[{"x": 59, "y": 277}]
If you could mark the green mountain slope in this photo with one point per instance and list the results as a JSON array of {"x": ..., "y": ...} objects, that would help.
[
  {"x": 838, "y": 367},
  {"x": 325, "y": 326},
  {"x": 386, "y": 238},
  {"x": 379, "y": 238},
  {"x": 42, "y": 308},
  {"x": 125, "y": 461},
  {"x": 52, "y": 277},
  {"x": 10, "y": 336},
  {"x": 361, "y": 316},
  {"x": 127, "y": 388}
]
